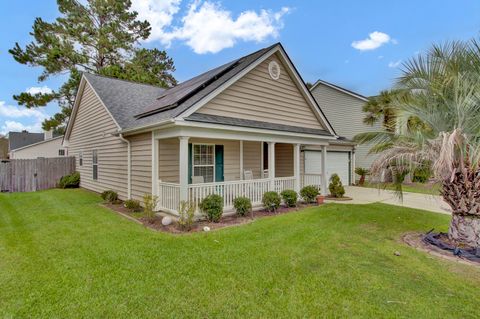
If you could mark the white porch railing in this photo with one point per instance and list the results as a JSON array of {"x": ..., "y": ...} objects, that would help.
[
  {"x": 169, "y": 193},
  {"x": 311, "y": 179},
  {"x": 168, "y": 196},
  {"x": 283, "y": 183},
  {"x": 252, "y": 189}
]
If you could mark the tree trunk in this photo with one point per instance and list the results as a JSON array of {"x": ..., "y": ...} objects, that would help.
[
  {"x": 462, "y": 193},
  {"x": 362, "y": 180},
  {"x": 465, "y": 230}
]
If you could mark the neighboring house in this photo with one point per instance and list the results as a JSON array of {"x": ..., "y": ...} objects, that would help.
[
  {"x": 3, "y": 147},
  {"x": 237, "y": 130},
  {"x": 343, "y": 109},
  {"x": 21, "y": 139},
  {"x": 49, "y": 147}
]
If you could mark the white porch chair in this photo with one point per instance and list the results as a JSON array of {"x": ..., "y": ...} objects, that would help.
[
  {"x": 197, "y": 180},
  {"x": 247, "y": 175},
  {"x": 265, "y": 173}
]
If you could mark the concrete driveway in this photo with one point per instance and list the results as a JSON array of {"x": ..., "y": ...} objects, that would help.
[{"x": 364, "y": 195}]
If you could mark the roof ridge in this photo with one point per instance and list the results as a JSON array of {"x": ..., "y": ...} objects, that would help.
[
  {"x": 123, "y": 80},
  {"x": 339, "y": 87}
]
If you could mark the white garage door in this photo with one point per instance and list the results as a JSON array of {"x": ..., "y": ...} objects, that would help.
[{"x": 337, "y": 163}]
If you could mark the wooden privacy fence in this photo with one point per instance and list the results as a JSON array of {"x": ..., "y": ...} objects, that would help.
[{"x": 29, "y": 175}]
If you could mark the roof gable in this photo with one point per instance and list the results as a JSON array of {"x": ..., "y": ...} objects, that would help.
[{"x": 340, "y": 89}]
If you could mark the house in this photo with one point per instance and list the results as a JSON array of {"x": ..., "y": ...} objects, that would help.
[
  {"x": 25, "y": 145},
  {"x": 343, "y": 109},
  {"x": 237, "y": 130}
]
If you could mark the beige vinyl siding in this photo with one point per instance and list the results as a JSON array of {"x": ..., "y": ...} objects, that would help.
[
  {"x": 252, "y": 158},
  {"x": 141, "y": 161},
  {"x": 256, "y": 96},
  {"x": 345, "y": 114},
  {"x": 92, "y": 130},
  {"x": 283, "y": 160},
  {"x": 168, "y": 160},
  {"x": 48, "y": 148}
]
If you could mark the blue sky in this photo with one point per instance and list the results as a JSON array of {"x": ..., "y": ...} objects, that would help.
[{"x": 355, "y": 44}]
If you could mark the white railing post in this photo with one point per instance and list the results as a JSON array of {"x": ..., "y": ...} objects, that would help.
[
  {"x": 183, "y": 168},
  {"x": 296, "y": 166},
  {"x": 271, "y": 165},
  {"x": 324, "y": 171}
]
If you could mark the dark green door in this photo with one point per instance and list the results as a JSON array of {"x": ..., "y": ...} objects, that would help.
[{"x": 219, "y": 163}]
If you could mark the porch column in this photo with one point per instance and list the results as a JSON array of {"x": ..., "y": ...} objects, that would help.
[
  {"x": 155, "y": 151},
  {"x": 296, "y": 166},
  {"x": 183, "y": 169},
  {"x": 271, "y": 164},
  {"x": 324, "y": 190},
  {"x": 241, "y": 160}
]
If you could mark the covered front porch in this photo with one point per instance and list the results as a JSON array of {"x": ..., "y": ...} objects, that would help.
[{"x": 189, "y": 165}]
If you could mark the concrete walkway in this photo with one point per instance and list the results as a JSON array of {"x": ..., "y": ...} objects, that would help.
[{"x": 364, "y": 195}]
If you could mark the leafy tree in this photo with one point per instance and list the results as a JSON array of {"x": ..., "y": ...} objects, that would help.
[
  {"x": 443, "y": 93},
  {"x": 100, "y": 37}
]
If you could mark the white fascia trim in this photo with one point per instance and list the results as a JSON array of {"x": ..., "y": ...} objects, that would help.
[
  {"x": 338, "y": 89},
  {"x": 78, "y": 98},
  {"x": 147, "y": 128},
  {"x": 225, "y": 85},
  {"x": 36, "y": 144},
  {"x": 206, "y": 130}
]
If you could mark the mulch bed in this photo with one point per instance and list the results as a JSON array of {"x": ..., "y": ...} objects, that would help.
[
  {"x": 437, "y": 244},
  {"x": 226, "y": 221}
]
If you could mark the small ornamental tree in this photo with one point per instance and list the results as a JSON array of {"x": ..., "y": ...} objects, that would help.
[
  {"x": 362, "y": 172},
  {"x": 336, "y": 188}
]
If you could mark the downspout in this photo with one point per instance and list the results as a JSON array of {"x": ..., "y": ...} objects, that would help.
[{"x": 129, "y": 166}]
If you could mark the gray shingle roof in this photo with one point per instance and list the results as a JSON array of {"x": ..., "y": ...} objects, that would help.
[
  {"x": 21, "y": 139},
  {"x": 216, "y": 119}
]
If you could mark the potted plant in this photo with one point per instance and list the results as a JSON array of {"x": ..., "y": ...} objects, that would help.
[{"x": 320, "y": 199}]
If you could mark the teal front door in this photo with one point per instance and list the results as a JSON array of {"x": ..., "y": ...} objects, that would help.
[{"x": 219, "y": 163}]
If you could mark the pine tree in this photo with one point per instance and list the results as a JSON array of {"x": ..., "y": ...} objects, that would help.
[{"x": 101, "y": 37}]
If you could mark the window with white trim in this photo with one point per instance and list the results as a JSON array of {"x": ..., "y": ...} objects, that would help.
[
  {"x": 204, "y": 161},
  {"x": 95, "y": 164},
  {"x": 61, "y": 152},
  {"x": 80, "y": 159}
]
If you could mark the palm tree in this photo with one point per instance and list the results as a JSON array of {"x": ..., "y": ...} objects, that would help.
[
  {"x": 442, "y": 95},
  {"x": 380, "y": 109}
]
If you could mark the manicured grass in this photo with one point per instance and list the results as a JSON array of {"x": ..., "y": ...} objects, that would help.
[
  {"x": 430, "y": 189},
  {"x": 62, "y": 255}
]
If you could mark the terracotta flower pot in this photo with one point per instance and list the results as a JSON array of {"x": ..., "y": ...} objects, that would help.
[{"x": 320, "y": 199}]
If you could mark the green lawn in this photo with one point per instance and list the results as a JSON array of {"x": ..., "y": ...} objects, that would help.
[
  {"x": 431, "y": 189},
  {"x": 62, "y": 255}
]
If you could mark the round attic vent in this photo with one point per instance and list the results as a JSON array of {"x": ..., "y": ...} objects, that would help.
[{"x": 274, "y": 70}]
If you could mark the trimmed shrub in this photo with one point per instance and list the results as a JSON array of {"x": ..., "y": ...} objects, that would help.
[
  {"x": 336, "y": 188},
  {"x": 271, "y": 201},
  {"x": 70, "y": 181},
  {"x": 186, "y": 215},
  {"x": 109, "y": 196},
  {"x": 421, "y": 174},
  {"x": 290, "y": 197},
  {"x": 243, "y": 205},
  {"x": 212, "y": 207},
  {"x": 150, "y": 202},
  {"x": 133, "y": 205},
  {"x": 309, "y": 193}
]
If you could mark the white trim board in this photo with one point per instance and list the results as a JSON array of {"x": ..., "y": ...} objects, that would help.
[{"x": 335, "y": 87}]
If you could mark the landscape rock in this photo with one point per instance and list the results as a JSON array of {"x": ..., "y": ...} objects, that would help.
[{"x": 167, "y": 220}]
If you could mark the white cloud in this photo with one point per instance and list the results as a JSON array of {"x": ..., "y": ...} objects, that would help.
[
  {"x": 375, "y": 40},
  {"x": 207, "y": 27},
  {"x": 39, "y": 89},
  {"x": 17, "y": 113},
  {"x": 394, "y": 64},
  {"x": 14, "y": 126}
]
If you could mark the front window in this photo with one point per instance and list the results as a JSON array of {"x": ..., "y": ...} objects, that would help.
[
  {"x": 204, "y": 161},
  {"x": 95, "y": 164}
]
